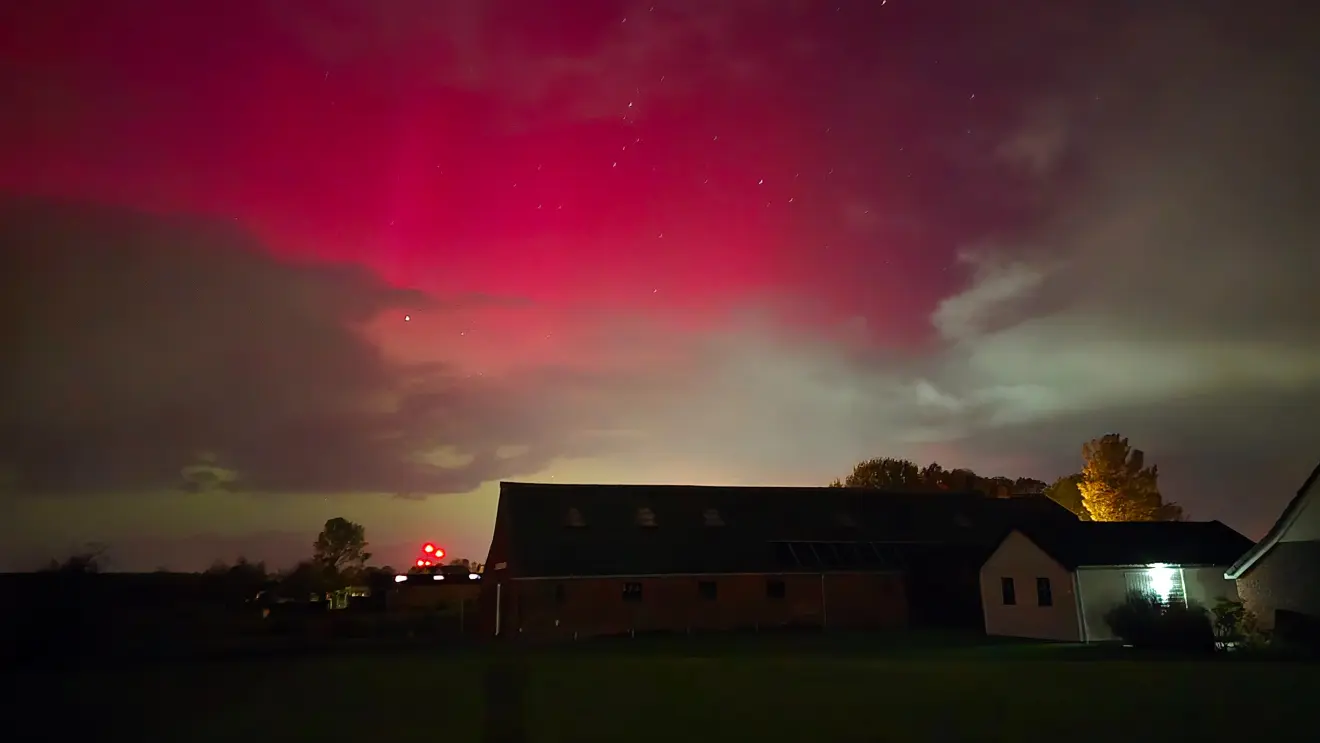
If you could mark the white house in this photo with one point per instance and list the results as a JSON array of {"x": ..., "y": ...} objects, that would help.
[{"x": 1059, "y": 584}]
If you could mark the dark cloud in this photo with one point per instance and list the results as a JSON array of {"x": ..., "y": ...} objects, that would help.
[{"x": 137, "y": 346}]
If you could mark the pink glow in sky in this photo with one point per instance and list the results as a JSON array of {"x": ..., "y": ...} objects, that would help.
[{"x": 655, "y": 241}]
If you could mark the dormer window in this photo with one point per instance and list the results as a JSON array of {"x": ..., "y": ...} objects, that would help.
[
  {"x": 711, "y": 517},
  {"x": 645, "y": 517},
  {"x": 845, "y": 519},
  {"x": 573, "y": 518}
]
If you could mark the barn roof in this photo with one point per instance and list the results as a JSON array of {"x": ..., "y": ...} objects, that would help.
[
  {"x": 1090, "y": 544},
  {"x": 574, "y": 530}
]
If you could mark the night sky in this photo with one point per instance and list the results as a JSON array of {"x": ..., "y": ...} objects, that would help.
[{"x": 366, "y": 259}]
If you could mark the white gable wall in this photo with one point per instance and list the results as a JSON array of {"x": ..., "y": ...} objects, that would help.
[
  {"x": 1306, "y": 526},
  {"x": 1020, "y": 559}
]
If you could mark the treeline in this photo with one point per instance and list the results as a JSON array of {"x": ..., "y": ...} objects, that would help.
[{"x": 1113, "y": 484}]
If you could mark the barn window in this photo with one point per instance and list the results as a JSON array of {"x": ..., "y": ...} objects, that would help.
[
  {"x": 645, "y": 517},
  {"x": 711, "y": 517},
  {"x": 775, "y": 589},
  {"x": 829, "y": 557},
  {"x": 632, "y": 591},
  {"x": 573, "y": 518},
  {"x": 560, "y": 593},
  {"x": 785, "y": 556},
  {"x": 849, "y": 558},
  {"x": 707, "y": 590},
  {"x": 806, "y": 555},
  {"x": 1044, "y": 594},
  {"x": 1008, "y": 591},
  {"x": 845, "y": 519}
]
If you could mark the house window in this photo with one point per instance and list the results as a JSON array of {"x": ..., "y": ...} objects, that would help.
[
  {"x": 573, "y": 518},
  {"x": 711, "y": 517},
  {"x": 775, "y": 589},
  {"x": 1008, "y": 591},
  {"x": 1044, "y": 594},
  {"x": 560, "y": 594},
  {"x": 632, "y": 591},
  {"x": 707, "y": 589},
  {"x": 645, "y": 517},
  {"x": 1160, "y": 582}
]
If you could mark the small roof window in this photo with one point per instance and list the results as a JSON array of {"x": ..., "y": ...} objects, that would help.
[
  {"x": 711, "y": 517},
  {"x": 573, "y": 518},
  {"x": 845, "y": 519},
  {"x": 645, "y": 517}
]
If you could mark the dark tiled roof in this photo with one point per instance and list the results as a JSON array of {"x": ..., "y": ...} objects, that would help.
[
  {"x": 1290, "y": 513},
  {"x": 604, "y": 529},
  {"x": 1141, "y": 543}
]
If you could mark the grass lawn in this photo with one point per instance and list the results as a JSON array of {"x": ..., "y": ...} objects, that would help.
[{"x": 703, "y": 689}]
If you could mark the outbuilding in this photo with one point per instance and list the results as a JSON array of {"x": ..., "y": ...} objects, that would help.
[{"x": 1059, "y": 583}]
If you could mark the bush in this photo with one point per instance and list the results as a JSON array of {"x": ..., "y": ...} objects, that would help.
[
  {"x": 1236, "y": 625},
  {"x": 1143, "y": 621}
]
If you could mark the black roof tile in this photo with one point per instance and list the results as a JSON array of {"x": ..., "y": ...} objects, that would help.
[{"x": 1141, "y": 543}]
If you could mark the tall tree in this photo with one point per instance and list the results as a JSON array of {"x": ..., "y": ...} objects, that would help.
[
  {"x": 885, "y": 473},
  {"x": 1116, "y": 484},
  {"x": 1029, "y": 486},
  {"x": 341, "y": 544},
  {"x": 1065, "y": 492}
]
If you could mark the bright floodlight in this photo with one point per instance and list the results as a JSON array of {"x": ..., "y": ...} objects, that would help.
[
  {"x": 473, "y": 576},
  {"x": 437, "y": 577},
  {"x": 400, "y": 578},
  {"x": 1161, "y": 581}
]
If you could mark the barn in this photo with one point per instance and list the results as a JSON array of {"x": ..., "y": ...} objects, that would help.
[{"x": 572, "y": 561}]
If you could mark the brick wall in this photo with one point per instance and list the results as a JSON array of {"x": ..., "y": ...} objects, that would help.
[
  {"x": 545, "y": 609},
  {"x": 1287, "y": 577}
]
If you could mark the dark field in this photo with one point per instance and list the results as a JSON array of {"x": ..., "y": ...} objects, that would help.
[{"x": 708, "y": 689}]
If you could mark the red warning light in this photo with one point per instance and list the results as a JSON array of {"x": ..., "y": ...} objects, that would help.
[
  {"x": 421, "y": 563},
  {"x": 439, "y": 553},
  {"x": 429, "y": 548}
]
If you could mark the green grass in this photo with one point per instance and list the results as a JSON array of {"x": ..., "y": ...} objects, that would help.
[{"x": 706, "y": 689}]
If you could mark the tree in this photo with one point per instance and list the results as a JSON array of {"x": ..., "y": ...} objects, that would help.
[
  {"x": 885, "y": 473},
  {"x": 1065, "y": 492},
  {"x": 341, "y": 544},
  {"x": 307, "y": 578},
  {"x": 1029, "y": 486},
  {"x": 1116, "y": 484},
  {"x": 237, "y": 582},
  {"x": 91, "y": 560}
]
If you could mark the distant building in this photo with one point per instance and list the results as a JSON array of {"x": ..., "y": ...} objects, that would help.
[
  {"x": 1058, "y": 583},
  {"x": 580, "y": 560},
  {"x": 450, "y": 591},
  {"x": 1279, "y": 578}
]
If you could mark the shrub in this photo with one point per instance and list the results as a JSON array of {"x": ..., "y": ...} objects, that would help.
[
  {"x": 1236, "y": 625},
  {"x": 1143, "y": 621}
]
